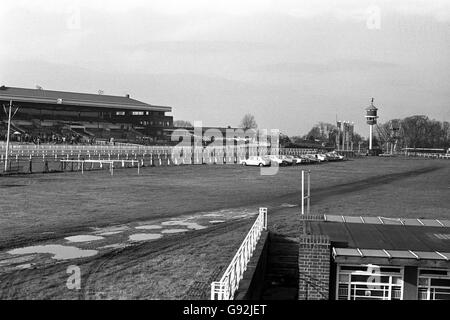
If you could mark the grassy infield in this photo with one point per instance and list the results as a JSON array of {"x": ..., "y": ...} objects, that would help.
[{"x": 69, "y": 203}]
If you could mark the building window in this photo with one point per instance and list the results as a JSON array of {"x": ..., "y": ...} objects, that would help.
[
  {"x": 138, "y": 113},
  {"x": 434, "y": 284},
  {"x": 120, "y": 113},
  {"x": 369, "y": 282}
]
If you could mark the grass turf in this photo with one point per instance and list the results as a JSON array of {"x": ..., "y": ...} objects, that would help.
[{"x": 68, "y": 203}]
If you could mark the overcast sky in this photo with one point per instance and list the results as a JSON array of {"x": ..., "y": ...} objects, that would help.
[{"x": 291, "y": 63}]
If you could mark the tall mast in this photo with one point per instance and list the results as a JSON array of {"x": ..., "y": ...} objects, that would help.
[{"x": 7, "y": 136}]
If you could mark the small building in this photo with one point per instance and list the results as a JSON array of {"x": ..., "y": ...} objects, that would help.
[{"x": 374, "y": 258}]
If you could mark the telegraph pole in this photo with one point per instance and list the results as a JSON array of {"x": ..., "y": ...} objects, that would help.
[{"x": 7, "y": 136}]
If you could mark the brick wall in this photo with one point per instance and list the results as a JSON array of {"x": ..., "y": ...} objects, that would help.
[
  {"x": 309, "y": 217},
  {"x": 314, "y": 267}
]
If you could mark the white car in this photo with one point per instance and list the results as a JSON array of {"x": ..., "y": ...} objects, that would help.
[
  {"x": 299, "y": 160},
  {"x": 288, "y": 159},
  {"x": 321, "y": 157},
  {"x": 255, "y": 161},
  {"x": 312, "y": 158},
  {"x": 338, "y": 156},
  {"x": 277, "y": 160}
]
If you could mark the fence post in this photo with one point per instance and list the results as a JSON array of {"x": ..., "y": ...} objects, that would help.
[
  {"x": 303, "y": 192},
  {"x": 308, "y": 192}
]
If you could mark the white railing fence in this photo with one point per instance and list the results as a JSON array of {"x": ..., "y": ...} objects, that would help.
[{"x": 229, "y": 283}]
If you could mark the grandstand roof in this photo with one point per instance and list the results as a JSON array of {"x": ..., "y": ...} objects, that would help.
[{"x": 76, "y": 99}]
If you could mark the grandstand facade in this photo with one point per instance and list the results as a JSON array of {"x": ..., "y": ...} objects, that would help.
[{"x": 71, "y": 117}]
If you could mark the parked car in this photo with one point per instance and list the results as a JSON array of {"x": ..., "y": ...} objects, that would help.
[
  {"x": 334, "y": 156},
  {"x": 300, "y": 160},
  {"x": 304, "y": 159},
  {"x": 331, "y": 157},
  {"x": 256, "y": 161},
  {"x": 321, "y": 157},
  {"x": 288, "y": 159},
  {"x": 312, "y": 158},
  {"x": 340, "y": 156},
  {"x": 277, "y": 159}
]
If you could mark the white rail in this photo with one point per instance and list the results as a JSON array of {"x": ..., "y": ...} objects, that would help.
[
  {"x": 229, "y": 283},
  {"x": 104, "y": 161},
  {"x": 306, "y": 195}
]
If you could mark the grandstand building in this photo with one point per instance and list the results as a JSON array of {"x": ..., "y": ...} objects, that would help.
[{"x": 57, "y": 116}]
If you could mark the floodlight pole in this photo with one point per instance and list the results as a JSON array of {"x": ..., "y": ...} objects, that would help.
[{"x": 7, "y": 136}]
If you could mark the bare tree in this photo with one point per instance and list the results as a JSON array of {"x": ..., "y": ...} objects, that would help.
[
  {"x": 416, "y": 132},
  {"x": 248, "y": 122},
  {"x": 383, "y": 133}
]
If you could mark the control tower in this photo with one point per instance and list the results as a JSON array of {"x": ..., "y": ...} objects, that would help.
[{"x": 371, "y": 118}]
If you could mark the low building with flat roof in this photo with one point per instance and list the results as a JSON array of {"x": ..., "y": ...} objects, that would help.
[{"x": 374, "y": 258}]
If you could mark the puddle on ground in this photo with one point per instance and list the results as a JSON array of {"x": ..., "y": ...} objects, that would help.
[
  {"x": 59, "y": 252},
  {"x": 217, "y": 221},
  {"x": 149, "y": 227},
  {"x": 111, "y": 229},
  {"x": 189, "y": 225},
  {"x": 144, "y": 236},
  {"x": 288, "y": 205},
  {"x": 213, "y": 215},
  {"x": 194, "y": 226},
  {"x": 174, "y": 230},
  {"x": 241, "y": 216},
  {"x": 83, "y": 238},
  {"x": 173, "y": 223},
  {"x": 110, "y": 233}
]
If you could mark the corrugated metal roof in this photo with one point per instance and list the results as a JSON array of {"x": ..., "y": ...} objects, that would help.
[
  {"x": 391, "y": 254},
  {"x": 389, "y": 221},
  {"x": 384, "y": 236},
  {"x": 75, "y": 98}
]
